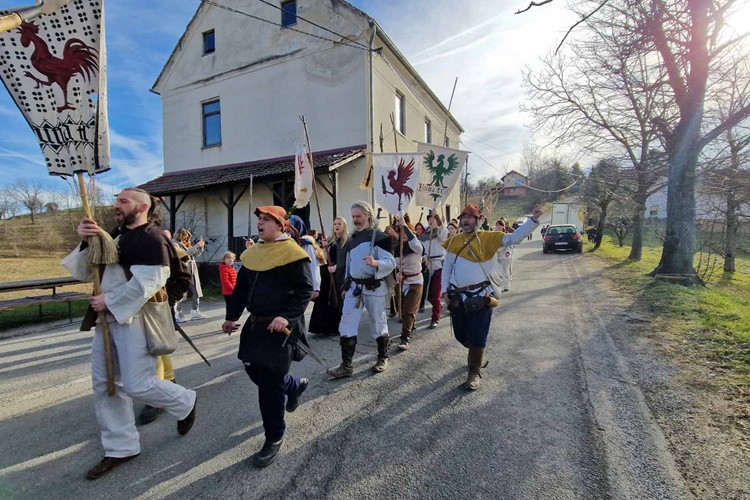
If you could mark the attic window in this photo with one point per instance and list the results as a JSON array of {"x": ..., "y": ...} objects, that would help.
[
  {"x": 288, "y": 13},
  {"x": 209, "y": 42}
]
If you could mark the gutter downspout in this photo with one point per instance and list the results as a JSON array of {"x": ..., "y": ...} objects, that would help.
[{"x": 374, "y": 28}]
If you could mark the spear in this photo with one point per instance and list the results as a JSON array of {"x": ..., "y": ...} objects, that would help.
[{"x": 332, "y": 290}]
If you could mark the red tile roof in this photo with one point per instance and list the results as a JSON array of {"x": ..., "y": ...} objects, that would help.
[{"x": 185, "y": 181}]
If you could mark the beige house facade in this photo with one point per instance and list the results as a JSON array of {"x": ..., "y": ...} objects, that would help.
[{"x": 233, "y": 91}]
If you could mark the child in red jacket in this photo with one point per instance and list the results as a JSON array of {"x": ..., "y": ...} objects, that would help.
[{"x": 227, "y": 275}]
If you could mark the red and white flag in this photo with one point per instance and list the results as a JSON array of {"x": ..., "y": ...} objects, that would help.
[
  {"x": 395, "y": 177},
  {"x": 303, "y": 178},
  {"x": 55, "y": 70}
]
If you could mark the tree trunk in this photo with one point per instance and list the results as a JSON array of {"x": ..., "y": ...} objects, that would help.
[
  {"x": 636, "y": 248},
  {"x": 600, "y": 226},
  {"x": 730, "y": 245},
  {"x": 679, "y": 241},
  {"x": 32, "y": 215}
]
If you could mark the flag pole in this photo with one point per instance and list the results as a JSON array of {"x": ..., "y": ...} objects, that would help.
[
  {"x": 445, "y": 139},
  {"x": 400, "y": 231},
  {"x": 332, "y": 293},
  {"x": 106, "y": 335}
]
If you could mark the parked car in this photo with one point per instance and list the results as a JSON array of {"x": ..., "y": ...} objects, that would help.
[
  {"x": 562, "y": 237},
  {"x": 521, "y": 221}
]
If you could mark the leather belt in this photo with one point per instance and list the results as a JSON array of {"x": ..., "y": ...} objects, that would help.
[{"x": 475, "y": 286}]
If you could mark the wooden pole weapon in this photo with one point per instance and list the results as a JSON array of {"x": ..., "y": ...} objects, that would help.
[
  {"x": 106, "y": 334},
  {"x": 332, "y": 289}
]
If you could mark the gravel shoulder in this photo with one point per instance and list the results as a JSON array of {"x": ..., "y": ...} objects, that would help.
[{"x": 683, "y": 395}]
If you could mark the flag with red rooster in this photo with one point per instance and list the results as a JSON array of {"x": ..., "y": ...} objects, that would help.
[
  {"x": 55, "y": 69},
  {"x": 396, "y": 176}
]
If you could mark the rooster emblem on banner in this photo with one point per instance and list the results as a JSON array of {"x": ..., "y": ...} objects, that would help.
[
  {"x": 397, "y": 184},
  {"x": 55, "y": 69},
  {"x": 77, "y": 59}
]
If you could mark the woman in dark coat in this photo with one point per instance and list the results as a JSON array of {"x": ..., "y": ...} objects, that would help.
[
  {"x": 275, "y": 286},
  {"x": 326, "y": 314}
]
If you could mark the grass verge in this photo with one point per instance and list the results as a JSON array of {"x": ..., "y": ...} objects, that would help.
[
  {"x": 713, "y": 322},
  {"x": 29, "y": 315}
]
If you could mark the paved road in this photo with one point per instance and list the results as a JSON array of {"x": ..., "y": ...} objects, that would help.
[{"x": 557, "y": 415}]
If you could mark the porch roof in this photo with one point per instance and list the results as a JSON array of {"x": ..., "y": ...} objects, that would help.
[{"x": 187, "y": 181}]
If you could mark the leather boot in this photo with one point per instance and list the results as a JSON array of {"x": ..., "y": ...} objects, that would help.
[
  {"x": 345, "y": 369},
  {"x": 475, "y": 368},
  {"x": 382, "y": 364},
  {"x": 404, "y": 343}
]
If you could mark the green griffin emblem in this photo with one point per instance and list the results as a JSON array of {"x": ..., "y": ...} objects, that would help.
[{"x": 439, "y": 171}]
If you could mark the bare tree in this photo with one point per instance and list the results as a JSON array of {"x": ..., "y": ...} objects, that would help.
[
  {"x": 604, "y": 97},
  {"x": 7, "y": 203},
  {"x": 690, "y": 41},
  {"x": 28, "y": 195},
  {"x": 601, "y": 188}
]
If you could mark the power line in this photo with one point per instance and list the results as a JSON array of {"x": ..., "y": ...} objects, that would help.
[
  {"x": 314, "y": 24},
  {"x": 235, "y": 11},
  {"x": 488, "y": 145}
]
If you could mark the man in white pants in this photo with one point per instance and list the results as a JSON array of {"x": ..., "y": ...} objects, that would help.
[
  {"x": 144, "y": 256},
  {"x": 368, "y": 261}
]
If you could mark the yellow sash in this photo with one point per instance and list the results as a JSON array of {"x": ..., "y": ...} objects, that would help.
[{"x": 265, "y": 256}]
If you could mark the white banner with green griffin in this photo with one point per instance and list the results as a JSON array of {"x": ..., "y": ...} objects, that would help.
[{"x": 441, "y": 169}]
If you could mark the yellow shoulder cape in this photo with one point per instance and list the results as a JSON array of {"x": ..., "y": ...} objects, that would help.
[
  {"x": 481, "y": 249},
  {"x": 266, "y": 256}
]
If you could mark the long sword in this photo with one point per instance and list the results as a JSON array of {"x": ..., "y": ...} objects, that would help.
[{"x": 187, "y": 339}]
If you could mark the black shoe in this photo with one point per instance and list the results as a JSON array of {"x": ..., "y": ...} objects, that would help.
[
  {"x": 149, "y": 414},
  {"x": 106, "y": 465},
  {"x": 184, "y": 425},
  {"x": 421, "y": 309},
  {"x": 267, "y": 454},
  {"x": 292, "y": 401}
]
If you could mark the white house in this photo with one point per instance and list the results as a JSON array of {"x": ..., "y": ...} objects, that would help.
[{"x": 233, "y": 90}]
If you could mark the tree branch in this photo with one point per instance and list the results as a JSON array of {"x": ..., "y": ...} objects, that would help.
[
  {"x": 582, "y": 20},
  {"x": 731, "y": 121},
  {"x": 532, "y": 3}
]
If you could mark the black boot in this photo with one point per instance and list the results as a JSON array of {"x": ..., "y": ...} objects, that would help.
[
  {"x": 404, "y": 343},
  {"x": 268, "y": 453},
  {"x": 345, "y": 369},
  {"x": 382, "y": 364}
]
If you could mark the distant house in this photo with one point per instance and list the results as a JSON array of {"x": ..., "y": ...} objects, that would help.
[
  {"x": 514, "y": 184},
  {"x": 232, "y": 92},
  {"x": 710, "y": 196},
  {"x": 51, "y": 207}
]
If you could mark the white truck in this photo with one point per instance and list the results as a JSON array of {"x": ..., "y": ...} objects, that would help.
[{"x": 566, "y": 213}]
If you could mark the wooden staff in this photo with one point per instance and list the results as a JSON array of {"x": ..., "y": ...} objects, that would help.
[
  {"x": 106, "y": 335},
  {"x": 445, "y": 138},
  {"x": 332, "y": 289},
  {"x": 400, "y": 231}
]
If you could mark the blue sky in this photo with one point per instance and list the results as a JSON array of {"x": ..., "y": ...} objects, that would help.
[{"x": 485, "y": 45}]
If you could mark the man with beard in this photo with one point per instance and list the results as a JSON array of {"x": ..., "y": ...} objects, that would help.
[
  {"x": 466, "y": 284},
  {"x": 144, "y": 255},
  {"x": 368, "y": 261}
]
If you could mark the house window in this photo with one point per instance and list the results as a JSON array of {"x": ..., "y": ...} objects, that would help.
[
  {"x": 400, "y": 113},
  {"x": 427, "y": 131},
  {"x": 211, "y": 124},
  {"x": 654, "y": 212},
  {"x": 288, "y": 13},
  {"x": 209, "y": 42}
]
